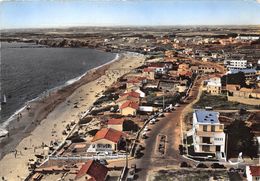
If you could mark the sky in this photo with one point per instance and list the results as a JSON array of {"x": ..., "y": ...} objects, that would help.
[{"x": 68, "y": 13}]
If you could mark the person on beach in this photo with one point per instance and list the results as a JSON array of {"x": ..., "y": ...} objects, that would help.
[{"x": 15, "y": 153}]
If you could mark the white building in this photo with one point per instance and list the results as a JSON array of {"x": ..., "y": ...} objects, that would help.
[
  {"x": 236, "y": 64},
  {"x": 249, "y": 73},
  {"x": 208, "y": 135},
  {"x": 253, "y": 173},
  {"x": 214, "y": 86},
  {"x": 247, "y": 38}
]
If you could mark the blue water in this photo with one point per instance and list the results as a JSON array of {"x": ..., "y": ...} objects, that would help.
[{"x": 27, "y": 70}]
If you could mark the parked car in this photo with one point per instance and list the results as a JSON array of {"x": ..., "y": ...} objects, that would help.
[
  {"x": 177, "y": 105},
  {"x": 152, "y": 122},
  {"x": 217, "y": 165},
  {"x": 201, "y": 165},
  {"x": 184, "y": 164},
  {"x": 146, "y": 128}
]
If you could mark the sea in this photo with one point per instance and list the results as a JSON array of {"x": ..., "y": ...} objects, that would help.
[{"x": 29, "y": 70}]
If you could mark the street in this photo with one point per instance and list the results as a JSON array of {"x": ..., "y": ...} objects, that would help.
[{"x": 170, "y": 125}]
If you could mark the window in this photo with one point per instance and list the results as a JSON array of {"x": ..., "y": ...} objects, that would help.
[
  {"x": 213, "y": 128},
  {"x": 205, "y": 148},
  {"x": 204, "y": 128},
  {"x": 206, "y": 140},
  {"x": 218, "y": 148},
  {"x": 220, "y": 127}
]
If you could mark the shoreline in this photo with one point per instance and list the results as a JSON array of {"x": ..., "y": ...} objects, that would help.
[
  {"x": 57, "y": 94},
  {"x": 47, "y": 118},
  {"x": 4, "y": 125}
]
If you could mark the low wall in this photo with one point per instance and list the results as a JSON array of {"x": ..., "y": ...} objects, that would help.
[{"x": 249, "y": 101}]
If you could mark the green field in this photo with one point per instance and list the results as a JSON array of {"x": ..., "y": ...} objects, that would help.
[{"x": 219, "y": 102}]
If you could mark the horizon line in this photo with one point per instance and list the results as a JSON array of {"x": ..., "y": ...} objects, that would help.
[{"x": 126, "y": 26}]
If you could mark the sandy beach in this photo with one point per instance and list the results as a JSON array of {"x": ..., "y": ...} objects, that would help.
[{"x": 47, "y": 118}]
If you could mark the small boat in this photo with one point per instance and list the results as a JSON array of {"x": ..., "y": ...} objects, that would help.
[
  {"x": 3, "y": 132},
  {"x": 4, "y": 100}
]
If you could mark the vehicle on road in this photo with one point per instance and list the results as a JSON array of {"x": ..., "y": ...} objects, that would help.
[{"x": 146, "y": 128}]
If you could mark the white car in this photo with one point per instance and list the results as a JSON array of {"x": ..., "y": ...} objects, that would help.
[
  {"x": 177, "y": 105},
  {"x": 152, "y": 122}
]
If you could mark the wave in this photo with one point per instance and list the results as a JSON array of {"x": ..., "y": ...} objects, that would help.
[{"x": 4, "y": 125}]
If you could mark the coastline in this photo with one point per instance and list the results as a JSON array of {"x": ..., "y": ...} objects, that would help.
[
  {"x": 57, "y": 94},
  {"x": 47, "y": 117},
  {"x": 47, "y": 93}
]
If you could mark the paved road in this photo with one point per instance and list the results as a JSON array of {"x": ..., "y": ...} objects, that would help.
[{"x": 170, "y": 126}]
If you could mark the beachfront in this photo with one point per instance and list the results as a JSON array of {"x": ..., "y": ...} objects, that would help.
[{"x": 13, "y": 166}]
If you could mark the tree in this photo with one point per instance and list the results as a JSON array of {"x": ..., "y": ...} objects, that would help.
[
  {"x": 238, "y": 79},
  {"x": 241, "y": 139}
]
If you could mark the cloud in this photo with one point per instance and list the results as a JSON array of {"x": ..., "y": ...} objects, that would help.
[{"x": 258, "y": 1}]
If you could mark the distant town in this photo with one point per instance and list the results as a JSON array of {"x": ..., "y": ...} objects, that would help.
[{"x": 185, "y": 103}]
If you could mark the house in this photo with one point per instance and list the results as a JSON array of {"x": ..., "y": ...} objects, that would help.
[
  {"x": 106, "y": 140},
  {"x": 183, "y": 69},
  {"x": 235, "y": 64},
  {"x": 181, "y": 88},
  {"x": 214, "y": 86},
  {"x": 207, "y": 133},
  {"x": 249, "y": 73},
  {"x": 232, "y": 87},
  {"x": 194, "y": 68},
  {"x": 246, "y": 93},
  {"x": 206, "y": 69},
  {"x": 146, "y": 108},
  {"x": 135, "y": 81},
  {"x": 149, "y": 73},
  {"x": 129, "y": 96},
  {"x": 168, "y": 85},
  {"x": 116, "y": 124},
  {"x": 141, "y": 93},
  {"x": 253, "y": 173},
  {"x": 206, "y": 59},
  {"x": 92, "y": 171},
  {"x": 129, "y": 108}
]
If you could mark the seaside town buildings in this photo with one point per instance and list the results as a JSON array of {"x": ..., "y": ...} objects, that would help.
[
  {"x": 253, "y": 173},
  {"x": 129, "y": 108},
  {"x": 149, "y": 89},
  {"x": 236, "y": 64},
  {"x": 106, "y": 140},
  {"x": 115, "y": 123},
  {"x": 208, "y": 134},
  {"x": 214, "y": 86},
  {"x": 92, "y": 171}
]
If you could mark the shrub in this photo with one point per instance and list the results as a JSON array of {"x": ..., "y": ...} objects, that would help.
[
  {"x": 129, "y": 125},
  {"x": 92, "y": 132},
  {"x": 85, "y": 120}
]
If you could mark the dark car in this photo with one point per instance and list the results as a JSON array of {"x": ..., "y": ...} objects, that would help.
[
  {"x": 217, "y": 165},
  {"x": 201, "y": 165}
]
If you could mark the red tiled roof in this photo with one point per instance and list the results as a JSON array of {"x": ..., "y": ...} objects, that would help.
[
  {"x": 136, "y": 79},
  {"x": 127, "y": 97},
  {"x": 255, "y": 170},
  {"x": 156, "y": 65},
  {"x": 96, "y": 170},
  {"x": 115, "y": 121},
  {"x": 188, "y": 74},
  {"x": 132, "y": 94},
  {"x": 133, "y": 81},
  {"x": 149, "y": 69},
  {"x": 129, "y": 104},
  {"x": 108, "y": 134}
]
